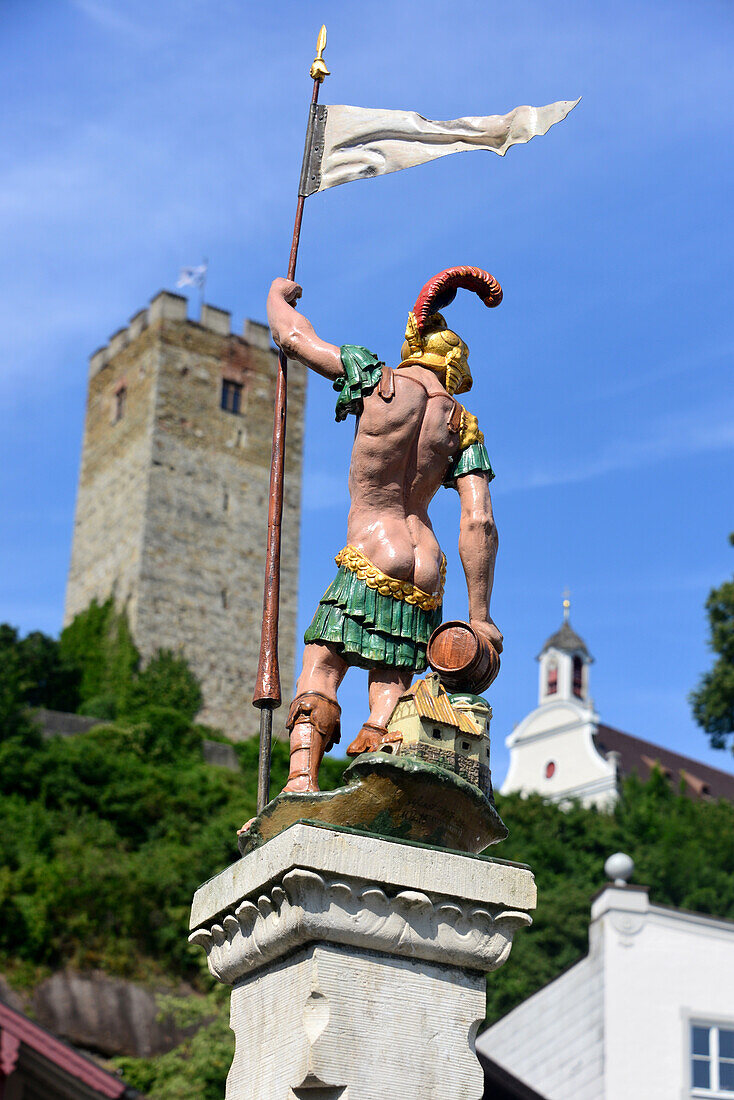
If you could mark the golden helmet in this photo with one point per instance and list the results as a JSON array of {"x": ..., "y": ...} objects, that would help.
[{"x": 429, "y": 342}]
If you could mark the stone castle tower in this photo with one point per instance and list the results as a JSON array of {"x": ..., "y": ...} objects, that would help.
[{"x": 171, "y": 510}]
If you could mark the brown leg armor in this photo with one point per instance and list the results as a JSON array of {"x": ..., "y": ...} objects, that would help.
[
  {"x": 313, "y": 721},
  {"x": 369, "y": 739}
]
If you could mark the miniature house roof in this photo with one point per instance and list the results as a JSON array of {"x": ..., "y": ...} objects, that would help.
[{"x": 432, "y": 701}]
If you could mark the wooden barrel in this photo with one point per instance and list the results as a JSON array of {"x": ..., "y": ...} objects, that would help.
[{"x": 463, "y": 659}]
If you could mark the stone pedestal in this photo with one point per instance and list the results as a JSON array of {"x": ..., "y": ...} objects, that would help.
[{"x": 357, "y": 964}]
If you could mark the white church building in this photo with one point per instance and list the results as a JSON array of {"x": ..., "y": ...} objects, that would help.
[{"x": 562, "y": 751}]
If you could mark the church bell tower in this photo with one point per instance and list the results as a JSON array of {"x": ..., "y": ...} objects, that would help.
[
  {"x": 564, "y": 665},
  {"x": 552, "y": 751}
]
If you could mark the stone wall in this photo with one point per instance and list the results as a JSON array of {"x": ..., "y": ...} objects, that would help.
[
  {"x": 111, "y": 499},
  {"x": 185, "y": 486},
  {"x": 109, "y": 1016}
]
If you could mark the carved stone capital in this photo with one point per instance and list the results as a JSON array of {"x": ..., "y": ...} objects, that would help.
[
  {"x": 318, "y": 884},
  {"x": 305, "y": 906}
]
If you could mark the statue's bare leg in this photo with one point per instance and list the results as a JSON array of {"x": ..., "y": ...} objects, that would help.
[
  {"x": 313, "y": 719},
  {"x": 323, "y": 670},
  {"x": 386, "y": 685}
]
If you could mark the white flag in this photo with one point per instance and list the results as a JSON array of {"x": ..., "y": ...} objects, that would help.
[
  {"x": 192, "y": 276},
  {"x": 352, "y": 143}
]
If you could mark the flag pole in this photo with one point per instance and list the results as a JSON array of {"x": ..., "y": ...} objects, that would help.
[
  {"x": 267, "y": 695},
  {"x": 202, "y": 285}
]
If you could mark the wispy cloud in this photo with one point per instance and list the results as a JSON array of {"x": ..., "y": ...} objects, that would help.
[
  {"x": 110, "y": 18},
  {"x": 706, "y": 356},
  {"x": 675, "y": 437}
]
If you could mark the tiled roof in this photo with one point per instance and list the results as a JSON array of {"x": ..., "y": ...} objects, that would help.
[
  {"x": 31, "y": 1049},
  {"x": 636, "y": 755},
  {"x": 567, "y": 640},
  {"x": 438, "y": 707}
]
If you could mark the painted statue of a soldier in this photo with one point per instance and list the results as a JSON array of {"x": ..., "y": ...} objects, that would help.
[{"x": 412, "y": 437}]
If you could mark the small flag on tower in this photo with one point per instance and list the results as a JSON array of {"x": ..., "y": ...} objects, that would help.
[
  {"x": 353, "y": 143},
  {"x": 192, "y": 276}
]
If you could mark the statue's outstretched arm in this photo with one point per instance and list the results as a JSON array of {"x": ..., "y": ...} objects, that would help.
[
  {"x": 294, "y": 334},
  {"x": 478, "y": 541}
]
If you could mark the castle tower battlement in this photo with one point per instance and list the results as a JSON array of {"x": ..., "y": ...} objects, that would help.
[{"x": 172, "y": 502}]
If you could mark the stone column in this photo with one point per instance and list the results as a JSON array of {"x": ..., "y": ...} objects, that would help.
[{"x": 357, "y": 963}]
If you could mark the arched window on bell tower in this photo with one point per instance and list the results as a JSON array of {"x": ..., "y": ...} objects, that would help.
[
  {"x": 578, "y": 676},
  {"x": 551, "y": 687}
]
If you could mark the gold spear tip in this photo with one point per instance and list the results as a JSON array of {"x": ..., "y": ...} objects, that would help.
[{"x": 318, "y": 69}]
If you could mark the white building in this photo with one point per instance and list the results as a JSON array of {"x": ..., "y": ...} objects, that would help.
[
  {"x": 647, "y": 1015},
  {"x": 561, "y": 750}
]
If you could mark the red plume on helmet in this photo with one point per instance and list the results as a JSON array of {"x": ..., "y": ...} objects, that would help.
[{"x": 441, "y": 290}]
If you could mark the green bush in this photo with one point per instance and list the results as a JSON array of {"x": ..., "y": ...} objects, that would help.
[
  {"x": 113, "y": 683},
  {"x": 100, "y": 706},
  {"x": 105, "y": 836},
  {"x": 198, "y": 1067},
  {"x": 98, "y": 643},
  {"x": 165, "y": 681}
]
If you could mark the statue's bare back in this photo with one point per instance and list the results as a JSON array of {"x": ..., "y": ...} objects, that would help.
[{"x": 401, "y": 452}]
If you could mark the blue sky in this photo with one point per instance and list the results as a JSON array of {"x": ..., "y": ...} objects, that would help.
[{"x": 138, "y": 137}]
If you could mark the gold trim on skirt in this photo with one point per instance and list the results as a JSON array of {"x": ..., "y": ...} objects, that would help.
[{"x": 355, "y": 561}]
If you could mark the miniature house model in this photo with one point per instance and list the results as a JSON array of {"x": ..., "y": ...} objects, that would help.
[{"x": 449, "y": 730}]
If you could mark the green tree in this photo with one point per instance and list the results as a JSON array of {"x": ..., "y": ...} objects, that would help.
[
  {"x": 98, "y": 643},
  {"x": 95, "y": 668},
  {"x": 112, "y": 682},
  {"x": 681, "y": 847},
  {"x": 15, "y": 722},
  {"x": 105, "y": 836},
  {"x": 166, "y": 681},
  {"x": 713, "y": 700},
  {"x": 45, "y": 680}
]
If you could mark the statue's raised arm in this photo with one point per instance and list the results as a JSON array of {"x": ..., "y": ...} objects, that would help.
[{"x": 294, "y": 334}]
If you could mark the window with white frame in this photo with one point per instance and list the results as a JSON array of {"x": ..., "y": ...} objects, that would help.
[{"x": 712, "y": 1060}]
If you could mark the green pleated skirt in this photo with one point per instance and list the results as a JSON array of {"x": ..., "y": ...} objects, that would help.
[{"x": 371, "y": 630}]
